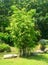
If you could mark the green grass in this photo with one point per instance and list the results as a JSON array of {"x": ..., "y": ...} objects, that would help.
[
  {"x": 34, "y": 60},
  {"x": 41, "y": 59}
]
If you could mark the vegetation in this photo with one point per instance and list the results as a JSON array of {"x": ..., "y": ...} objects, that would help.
[
  {"x": 34, "y": 60},
  {"x": 22, "y": 29},
  {"x": 4, "y": 48},
  {"x": 24, "y": 24}
]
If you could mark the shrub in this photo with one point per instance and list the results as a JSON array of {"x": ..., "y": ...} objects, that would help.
[{"x": 4, "y": 47}]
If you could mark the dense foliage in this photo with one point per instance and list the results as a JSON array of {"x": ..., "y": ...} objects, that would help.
[
  {"x": 22, "y": 28},
  {"x": 4, "y": 47}
]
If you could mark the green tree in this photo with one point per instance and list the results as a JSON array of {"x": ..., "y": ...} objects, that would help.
[
  {"x": 42, "y": 19},
  {"x": 5, "y": 12},
  {"x": 22, "y": 29}
]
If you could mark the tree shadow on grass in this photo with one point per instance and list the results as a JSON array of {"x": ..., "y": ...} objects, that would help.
[{"x": 40, "y": 57}]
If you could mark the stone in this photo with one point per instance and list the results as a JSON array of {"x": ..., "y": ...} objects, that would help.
[
  {"x": 39, "y": 51},
  {"x": 10, "y": 56},
  {"x": 36, "y": 52},
  {"x": 46, "y": 50}
]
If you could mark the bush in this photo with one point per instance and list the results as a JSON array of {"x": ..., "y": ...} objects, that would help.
[{"x": 4, "y": 48}]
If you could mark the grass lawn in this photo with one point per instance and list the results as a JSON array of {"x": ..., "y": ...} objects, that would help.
[{"x": 34, "y": 60}]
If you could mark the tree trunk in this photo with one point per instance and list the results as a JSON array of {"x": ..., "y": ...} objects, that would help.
[
  {"x": 24, "y": 52},
  {"x": 20, "y": 52}
]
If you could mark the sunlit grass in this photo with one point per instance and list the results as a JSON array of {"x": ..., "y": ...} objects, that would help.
[
  {"x": 34, "y": 60},
  {"x": 41, "y": 59}
]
